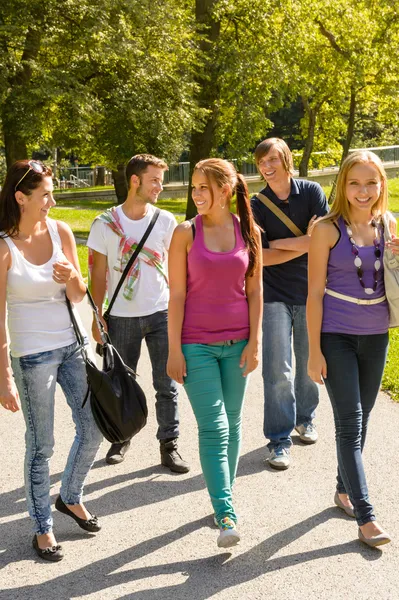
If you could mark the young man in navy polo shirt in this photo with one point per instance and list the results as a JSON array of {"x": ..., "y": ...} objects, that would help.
[{"x": 290, "y": 399}]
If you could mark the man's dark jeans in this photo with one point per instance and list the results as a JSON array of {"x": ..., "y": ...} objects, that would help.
[
  {"x": 355, "y": 364},
  {"x": 127, "y": 334}
]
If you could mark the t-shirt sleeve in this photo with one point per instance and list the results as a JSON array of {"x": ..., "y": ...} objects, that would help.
[
  {"x": 319, "y": 204},
  {"x": 171, "y": 226},
  {"x": 259, "y": 220},
  {"x": 96, "y": 240}
]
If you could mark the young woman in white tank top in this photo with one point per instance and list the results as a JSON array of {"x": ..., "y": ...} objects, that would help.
[{"x": 38, "y": 267}]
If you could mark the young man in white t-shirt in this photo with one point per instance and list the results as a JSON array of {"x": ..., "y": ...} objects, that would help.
[{"x": 140, "y": 310}]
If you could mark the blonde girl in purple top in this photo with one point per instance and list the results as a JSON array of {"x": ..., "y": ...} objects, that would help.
[
  {"x": 215, "y": 316},
  {"x": 347, "y": 314}
]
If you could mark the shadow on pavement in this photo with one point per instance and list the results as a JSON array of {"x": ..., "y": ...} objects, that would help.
[
  {"x": 138, "y": 494},
  {"x": 203, "y": 578}
]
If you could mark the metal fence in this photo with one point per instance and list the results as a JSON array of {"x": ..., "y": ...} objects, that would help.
[
  {"x": 80, "y": 177},
  {"x": 178, "y": 173}
]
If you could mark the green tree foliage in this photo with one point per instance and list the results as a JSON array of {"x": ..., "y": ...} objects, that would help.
[
  {"x": 116, "y": 77},
  {"x": 110, "y": 78},
  {"x": 244, "y": 52}
]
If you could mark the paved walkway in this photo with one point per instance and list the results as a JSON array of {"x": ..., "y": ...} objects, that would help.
[{"x": 158, "y": 541}]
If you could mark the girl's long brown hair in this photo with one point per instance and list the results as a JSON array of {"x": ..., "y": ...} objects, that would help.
[
  {"x": 222, "y": 172},
  {"x": 10, "y": 212}
]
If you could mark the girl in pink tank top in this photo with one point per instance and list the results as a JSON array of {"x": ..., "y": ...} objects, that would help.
[{"x": 215, "y": 315}]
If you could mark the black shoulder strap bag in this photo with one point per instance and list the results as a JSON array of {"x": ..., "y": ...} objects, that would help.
[{"x": 117, "y": 401}]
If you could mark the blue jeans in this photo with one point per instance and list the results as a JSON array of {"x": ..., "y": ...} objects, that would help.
[
  {"x": 127, "y": 334},
  {"x": 289, "y": 400},
  {"x": 355, "y": 364},
  {"x": 216, "y": 388},
  {"x": 36, "y": 376}
]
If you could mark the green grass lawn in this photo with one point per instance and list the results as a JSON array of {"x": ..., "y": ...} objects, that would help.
[
  {"x": 84, "y": 189},
  {"x": 393, "y": 195},
  {"x": 390, "y": 381}
]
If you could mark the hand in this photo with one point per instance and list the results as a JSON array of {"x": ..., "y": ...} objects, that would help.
[
  {"x": 95, "y": 331},
  {"x": 311, "y": 225},
  {"x": 176, "y": 366},
  {"x": 393, "y": 245},
  {"x": 9, "y": 397},
  {"x": 317, "y": 368},
  {"x": 64, "y": 271},
  {"x": 249, "y": 358}
]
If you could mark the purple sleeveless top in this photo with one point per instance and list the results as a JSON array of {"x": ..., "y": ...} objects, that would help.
[
  {"x": 340, "y": 316},
  {"x": 216, "y": 307}
]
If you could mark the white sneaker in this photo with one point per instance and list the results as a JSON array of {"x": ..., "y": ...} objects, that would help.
[
  {"x": 307, "y": 433},
  {"x": 279, "y": 458},
  {"x": 228, "y": 535}
]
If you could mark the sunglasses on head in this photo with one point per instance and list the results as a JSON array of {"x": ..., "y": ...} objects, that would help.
[{"x": 35, "y": 166}]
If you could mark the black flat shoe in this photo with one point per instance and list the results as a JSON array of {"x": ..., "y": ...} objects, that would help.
[
  {"x": 53, "y": 554},
  {"x": 91, "y": 524}
]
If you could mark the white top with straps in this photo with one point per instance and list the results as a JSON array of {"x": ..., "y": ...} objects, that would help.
[{"x": 38, "y": 318}]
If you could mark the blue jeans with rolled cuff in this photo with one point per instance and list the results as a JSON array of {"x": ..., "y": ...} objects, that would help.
[
  {"x": 290, "y": 397},
  {"x": 127, "y": 334},
  {"x": 36, "y": 376},
  {"x": 355, "y": 364}
]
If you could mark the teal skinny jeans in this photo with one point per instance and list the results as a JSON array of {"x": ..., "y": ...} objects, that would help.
[{"x": 216, "y": 388}]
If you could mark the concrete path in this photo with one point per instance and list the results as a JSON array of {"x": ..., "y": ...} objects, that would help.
[{"x": 158, "y": 541}]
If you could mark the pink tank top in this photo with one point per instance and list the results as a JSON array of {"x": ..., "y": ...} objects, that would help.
[{"x": 216, "y": 307}]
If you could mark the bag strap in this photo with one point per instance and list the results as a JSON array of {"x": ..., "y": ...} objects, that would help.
[
  {"x": 132, "y": 260},
  {"x": 78, "y": 333},
  {"x": 386, "y": 218},
  {"x": 279, "y": 214}
]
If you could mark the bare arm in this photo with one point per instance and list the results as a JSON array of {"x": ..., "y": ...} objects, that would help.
[
  {"x": 323, "y": 238},
  {"x": 68, "y": 272},
  {"x": 98, "y": 287},
  {"x": 254, "y": 293},
  {"x": 297, "y": 244},
  {"x": 181, "y": 240},
  {"x": 8, "y": 392},
  {"x": 272, "y": 256}
]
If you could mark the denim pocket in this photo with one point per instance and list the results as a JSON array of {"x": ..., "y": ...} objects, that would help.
[{"x": 32, "y": 360}]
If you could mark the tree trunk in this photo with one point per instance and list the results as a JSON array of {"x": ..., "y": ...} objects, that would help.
[
  {"x": 13, "y": 130},
  {"x": 99, "y": 176},
  {"x": 307, "y": 151},
  {"x": 120, "y": 183},
  {"x": 201, "y": 142},
  {"x": 350, "y": 127},
  {"x": 348, "y": 139},
  {"x": 14, "y": 144}
]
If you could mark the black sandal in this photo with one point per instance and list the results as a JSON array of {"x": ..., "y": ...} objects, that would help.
[
  {"x": 53, "y": 554},
  {"x": 92, "y": 525}
]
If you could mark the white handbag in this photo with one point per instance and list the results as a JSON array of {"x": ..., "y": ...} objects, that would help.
[{"x": 391, "y": 274}]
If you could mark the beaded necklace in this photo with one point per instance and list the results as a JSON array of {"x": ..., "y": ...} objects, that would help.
[{"x": 358, "y": 261}]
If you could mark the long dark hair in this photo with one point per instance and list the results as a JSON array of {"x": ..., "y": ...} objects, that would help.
[
  {"x": 223, "y": 172},
  {"x": 10, "y": 212}
]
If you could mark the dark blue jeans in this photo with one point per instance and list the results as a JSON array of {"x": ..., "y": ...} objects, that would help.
[
  {"x": 355, "y": 364},
  {"x": 127, "y": 334}
]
